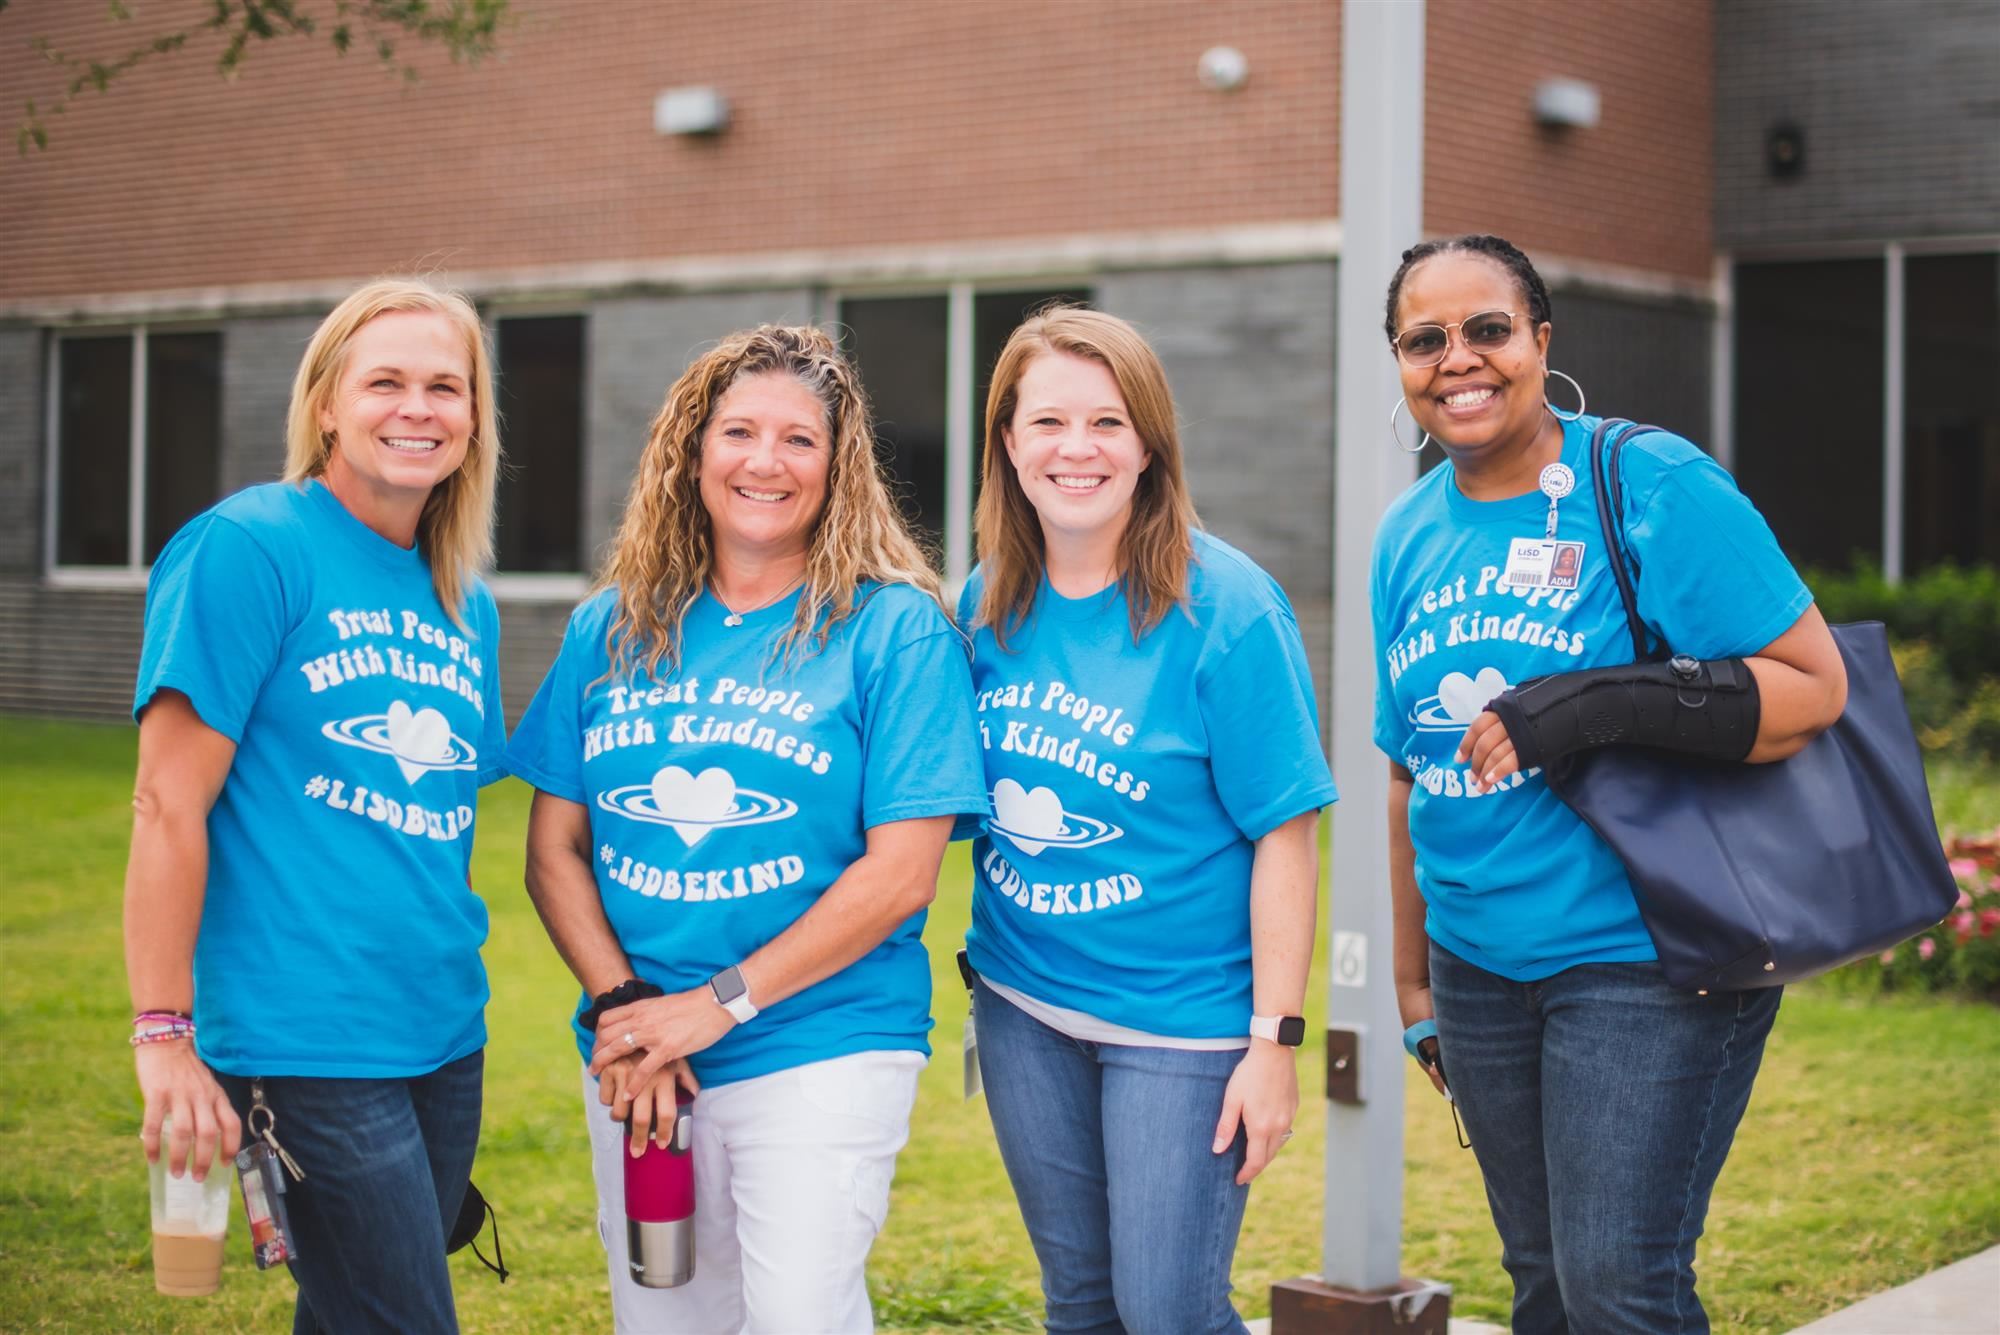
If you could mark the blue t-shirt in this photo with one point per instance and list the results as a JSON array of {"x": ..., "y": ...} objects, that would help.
[
  {"x": 1129, "y": 783},
  {"x": 339, "y": 936},
  {"x": 1515, "y": 882},
  {"x": 727, "y": 796}
]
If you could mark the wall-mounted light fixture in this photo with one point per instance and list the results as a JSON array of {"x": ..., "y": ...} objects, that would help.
[
  {"x": 1222, "y": 69},
  {"x": 1785, "y": 150},
  {"x": 691, "y": 111},
  {"x": 1566, "y": 104}
]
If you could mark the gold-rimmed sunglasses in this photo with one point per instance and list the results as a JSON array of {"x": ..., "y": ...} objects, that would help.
[{"x": 1426, "y": 344}]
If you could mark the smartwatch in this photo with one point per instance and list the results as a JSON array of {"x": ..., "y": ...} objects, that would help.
[
  {"x": 1287, "y": 1030},
  {"x": 733, "y": 994}
]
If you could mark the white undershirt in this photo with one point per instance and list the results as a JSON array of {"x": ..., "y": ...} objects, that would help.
[{"x": 1089, "y": 1029}]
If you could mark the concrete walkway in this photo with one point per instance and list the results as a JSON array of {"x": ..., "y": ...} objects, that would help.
[{"x": 1961, "y": 1299}]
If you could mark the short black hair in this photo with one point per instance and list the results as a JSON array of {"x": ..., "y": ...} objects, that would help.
[{"x": 1498, "y": 249}]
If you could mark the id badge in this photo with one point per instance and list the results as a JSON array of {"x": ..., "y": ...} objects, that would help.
[
  {"x": 263, "y": 1182},
  {"x": 975, "y": 1083},
  {"x": 1538, "y": 563}
]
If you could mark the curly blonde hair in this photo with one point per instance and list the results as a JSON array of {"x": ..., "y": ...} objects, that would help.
[
  {"x": 1157, "y": 546},
  {"x": 662, "y": 557},
  {"x": 455, "y": 531}
]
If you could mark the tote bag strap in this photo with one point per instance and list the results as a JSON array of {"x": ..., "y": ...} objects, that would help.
[{"x": 1608, "y": 483}]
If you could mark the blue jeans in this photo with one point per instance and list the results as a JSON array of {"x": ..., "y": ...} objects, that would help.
[
  {"x": 385, "y": 1165},
  {"x": 1601, "y": 1104},
  {"x": 1133, "y": 1218}
]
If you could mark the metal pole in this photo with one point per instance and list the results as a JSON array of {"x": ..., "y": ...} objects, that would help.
[{"x": 1381, "y": 212}]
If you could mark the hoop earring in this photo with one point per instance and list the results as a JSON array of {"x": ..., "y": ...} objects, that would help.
[
  {"x": 1581, "y": 402},
  {"x": 1421, "y": 444}
]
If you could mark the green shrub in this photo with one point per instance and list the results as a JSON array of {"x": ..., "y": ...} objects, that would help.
[
  {"x": 1956, "y": 609},
  {"x": 1944, "y": 626},
  {"x": 1960, "y": 954}
]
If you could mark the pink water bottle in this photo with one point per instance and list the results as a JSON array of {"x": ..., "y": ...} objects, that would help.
[{"x": 659, "y": 1203}]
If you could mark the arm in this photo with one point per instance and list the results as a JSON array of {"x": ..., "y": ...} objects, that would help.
[
  {"x": 182, "y": 765},
  {"x": 564, "y": 890},
  {"x": 1263, "y": 1092},
  {"x": 1801, "y": 689},
  {"x": 893, "y": 878},
  {"x": 1411, "y": 949}
]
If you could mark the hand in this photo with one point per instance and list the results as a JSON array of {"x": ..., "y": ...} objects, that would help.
[
  {"x": 177, "y": 1084},
  {"x": 1489, "y": 750},
  {"x": 632, "y": 1097},
  {"x": 659, "y": 1029},
  {"x": 1263, "y": 1095},
  {"x": 1413, "y": 1001}
]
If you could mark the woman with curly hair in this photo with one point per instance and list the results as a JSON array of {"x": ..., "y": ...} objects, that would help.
[{"x": 748, "y": 756}]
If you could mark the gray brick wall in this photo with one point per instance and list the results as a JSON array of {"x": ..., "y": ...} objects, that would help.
[
  {"x": 1249, "y": 353},
  {"x": 1900, "y": 106},
  {"x": 21, "y": 449},
  {"x": 259, "y": 359},
  {"x": 1639, "y": 359},
  {"x": 636, "y": 347}
]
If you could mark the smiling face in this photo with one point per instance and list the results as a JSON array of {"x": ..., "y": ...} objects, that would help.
[
  {"x": 400, "y": 413},
  {"x": 1472, "y": 402},
  {"x": 765, "y": 457},
  {"x": 1074, "y": 448}
]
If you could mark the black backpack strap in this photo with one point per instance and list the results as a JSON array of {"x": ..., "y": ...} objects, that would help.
[{"x": 1607, "y": 482}]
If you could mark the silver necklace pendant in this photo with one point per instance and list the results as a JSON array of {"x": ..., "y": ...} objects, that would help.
[{"x": 732, "y": 620}]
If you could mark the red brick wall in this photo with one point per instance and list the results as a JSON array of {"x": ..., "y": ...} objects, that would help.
[
  {"x": 1636, "y": 190},
  {"x": 855, "y": 123}
]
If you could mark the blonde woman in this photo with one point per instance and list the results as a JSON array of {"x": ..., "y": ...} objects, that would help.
[
  {"x": 318, "y": 703},
  {"x": 749, "y": 755},
  {"x": 1143, "y": 911}
]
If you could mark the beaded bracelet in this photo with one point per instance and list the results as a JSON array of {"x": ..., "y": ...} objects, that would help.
[
  {"x": 167, "y": 1017},
  {"x": 165, "y": 1034}
]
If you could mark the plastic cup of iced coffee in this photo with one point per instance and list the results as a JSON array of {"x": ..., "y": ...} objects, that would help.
[{"x": 190, "y": 1222}]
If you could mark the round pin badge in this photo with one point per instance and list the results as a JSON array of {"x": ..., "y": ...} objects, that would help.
[{"x": 1557, "y": 481}]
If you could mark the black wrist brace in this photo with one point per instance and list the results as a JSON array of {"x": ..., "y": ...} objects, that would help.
[
  {"x": 1703, "y": 709},
  {"x": 627, "y": 992}
]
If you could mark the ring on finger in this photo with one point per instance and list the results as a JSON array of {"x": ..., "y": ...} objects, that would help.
[
  {"x": 630, "y": 1041},
  {"x": 1285, "y": 1135}
]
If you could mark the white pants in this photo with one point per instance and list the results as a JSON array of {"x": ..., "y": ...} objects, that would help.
[{"x": 791, "y": 1175}]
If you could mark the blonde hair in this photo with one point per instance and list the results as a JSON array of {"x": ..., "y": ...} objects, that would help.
[
  {"x": 455, "y": 531},
  {"x": 664, "y": 551},
  {"x": 1157, "y": 546}
]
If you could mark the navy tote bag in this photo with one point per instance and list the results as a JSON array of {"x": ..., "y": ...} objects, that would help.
[{"x": 1758, "y": 875}]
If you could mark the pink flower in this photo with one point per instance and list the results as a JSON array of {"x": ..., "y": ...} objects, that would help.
[
  {"x": 1888, "y": 957},
  {"x": 1964, "y": 899},
  {"x": 1963, "y": 869},
  {"x": 1926, "y": 948},
  {"x": 1989, "y": 921},
  {"x": 1961, "y": 924}
]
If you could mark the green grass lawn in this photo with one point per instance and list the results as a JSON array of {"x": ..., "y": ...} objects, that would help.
[{"x": 1867, "y": 1157}]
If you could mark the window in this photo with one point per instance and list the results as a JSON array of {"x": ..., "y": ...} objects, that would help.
[
  {"x": 1951, "y": 410},
  {"x": 541, "y": 382},
  {"x": 926, "y": 361},
  {"x": 137, "y": 439},
  {"x": 1809, "y": 404}
]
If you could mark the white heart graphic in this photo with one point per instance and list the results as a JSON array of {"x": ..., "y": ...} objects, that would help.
[
  {"x": 420, "y": 741},
  {"x": 1463, "y": 698},
  {"x": 1032, "y": 818},
  {"x": 691, "y": 804}
]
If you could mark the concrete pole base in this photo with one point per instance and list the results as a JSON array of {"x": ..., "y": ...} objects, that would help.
[{"x": 1308, "y": 1306}]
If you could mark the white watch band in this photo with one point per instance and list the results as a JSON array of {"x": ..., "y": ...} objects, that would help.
[
  {"x": 732, "y": 993},
  {"x": 1265, "y": 1027}
]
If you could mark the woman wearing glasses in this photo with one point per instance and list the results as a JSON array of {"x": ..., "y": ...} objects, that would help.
[{"x": 1600, "y": 1102}]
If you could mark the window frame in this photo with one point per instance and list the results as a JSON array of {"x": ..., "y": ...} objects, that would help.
[
  {"x": 961, "y": 380},
  {"x": 134, "y": 572},
  {"x": 1893, "y": 253}
]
